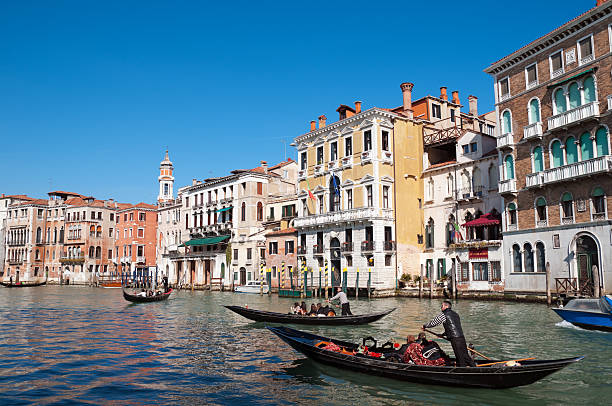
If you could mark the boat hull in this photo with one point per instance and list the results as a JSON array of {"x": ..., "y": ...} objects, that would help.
[
  {"x": 251, "y": 289},
  {"x": 271, "y": 317},
  {"x": 23, "y": 285},
  {"x": 146, "y": 299},
  {"x": 587, "y": 320},
  {"x": 492, "y": 377}
]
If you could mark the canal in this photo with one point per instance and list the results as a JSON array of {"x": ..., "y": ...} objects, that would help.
[{"x": 72, "y": 345}]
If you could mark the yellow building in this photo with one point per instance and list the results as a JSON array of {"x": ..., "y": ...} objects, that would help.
[{"x": 360, "y": 194}]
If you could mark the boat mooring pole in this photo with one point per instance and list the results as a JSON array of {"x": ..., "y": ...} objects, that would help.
[
  {"x": 291, "y": 277},
  {"x": 326, "y": 281},
  {"x": 357, "y": 285},
  {"x": 548, "y": 296},
  {"x": 595, "y": 271},
  {"x": 369, "y": 281},
  {"x": 344, "y": 280},
  {"x": 421, "y": 283},
  {"x": 261, "y": 267},
  {"x": 282, "y": 274}
]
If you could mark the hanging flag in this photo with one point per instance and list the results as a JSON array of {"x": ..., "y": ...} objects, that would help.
[
  {"x": 458, "y": 235},
  {"x": 336, "y": 187},
  {"x": 309, "y": 192}
]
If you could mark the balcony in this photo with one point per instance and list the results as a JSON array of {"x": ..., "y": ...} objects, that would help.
[
  {"x": 366, "y": 157},
  {"x": 347, "y": 162},
  {"x": 15, "y": 261},
  {"x": 318, "y": 170},
  {"x": 533, "y": 131},
  {"x": 541, "y": 223},
  {"x": 531, "y": 85},
  {"x": 387, "y": 157},
  {"x": 587, "y": 59},
  {"x": 507, "y": 186},
  {"x": 512, "y": 227},
  {"x": 301, "y": 174},
  {"x": 557, "y": 73},
  {"x": 610, "y": 102},
  {"x": 573, "y": 116},
  {"x": 333, "y": 165},
  {"x": 367, "y": 246},
  {"x": 72, "y": 260},
  {"x": 301, "y": 250},
  {"x": 476, "y": 244},
  {"x": 126, "y": 260},
  {"x": 366, "y": 214},
  {"x": 567, "y": 220},
  {"x": 598, "y": 216},
  {"x": 225, "y": 200},
  {"x": 347, "y": 246},
  {"x": 505, "y": 141},
  {"x": 571, "y": 172},
  {"x": 389, "y": 246},
  {"x": 317, "y": 249},
  {"x": 141, "y": 260}
]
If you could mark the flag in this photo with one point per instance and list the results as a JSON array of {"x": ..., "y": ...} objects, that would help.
[
  {"x": 309, "y": 192},
  {"x": 457, "y": 233},
  {"x": 336, "y": 187}
]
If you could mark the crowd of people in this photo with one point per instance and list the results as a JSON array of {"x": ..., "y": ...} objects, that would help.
[{"x": 316, "y": 310}]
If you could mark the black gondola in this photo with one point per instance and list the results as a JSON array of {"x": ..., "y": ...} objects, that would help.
[
  {"x": 23, "y": 284},
  {"x": 496, "y": 376},
  {"x": 146, "y": 299},
  {"x": 271, "y": 317}
]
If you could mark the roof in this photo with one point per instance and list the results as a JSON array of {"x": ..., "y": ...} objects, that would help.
[
  {"x": 205, "y": 241},
  {"x": 290, "y": 230},
  {"x": 442, "y": 164},
  {"x": 484, "y": 220},
  {"x": 61, "y": 192},
  {"x": 22, "y": 197}
]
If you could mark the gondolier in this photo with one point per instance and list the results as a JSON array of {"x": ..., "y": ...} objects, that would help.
[
  {"x": 341, "y": 296},
  {"x": 453, "y": 332}
]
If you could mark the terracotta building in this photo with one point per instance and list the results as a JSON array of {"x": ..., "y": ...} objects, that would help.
[
  {"x": 281, "y": 240},
  {"x": 136, "y": 239}
]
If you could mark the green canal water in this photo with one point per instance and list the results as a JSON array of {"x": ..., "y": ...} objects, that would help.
[{"x": 77, "y": 345}]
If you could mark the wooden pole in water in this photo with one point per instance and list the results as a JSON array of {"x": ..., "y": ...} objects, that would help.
[
  {"x": 326, "y": 281},
  {"x": 283, "y": 274},
  {"x": 595, "y": 271},
  {"x": 548, "y": 296},
  {"x": 369, "y": 281},
  {"x": 431, "y": 283},
  {"x": 357, "y": 285},
  {"x": 261, "y": 267},
  {"x": 320, "y": 286},
  {"x": 421, "y": 283}
]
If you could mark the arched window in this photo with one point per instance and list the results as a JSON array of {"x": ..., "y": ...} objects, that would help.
[
  {"x": 99, "y": 231},
  {"x": 506, "y": 122},
  {"x": 243, "y": 211},
  {"x": 92, "y": 231},
  {"x": 574, "y": 95},
  {"x": 528, "y": 254},
  {"x": 465, "y": 184},
  {"x": 509, "y": 163},
  {"x": 586, "y": 146},
  {"x": 54, "y": 235},
  {"x": 534, "y": 111},
  {"x": 512, "y": 214},
  {"x": 589, "y": 90},
  {"x": 476, "y": 182},
  {"x": 599, "y": 202},
  {"x": 571, "y": 150},
  {"x": 430, "y": 189},
  {"x": 540, "y": 257},
  {"x": 557, "y": 153},
  {"x": 37, "y": 253},
  {"x": 450, "y": 185},
  {"x": 559, "y": 101},
  {"x": 259, "y": 211},
  {"x": 567, "y": 206},
  {"x": 541, "y": 209},
  {"x": 538, "y": 159},
  {"x": 516, "y": 258},
  {"x": 429, "y": 234},
  {"x": 98, "y": 252},
  {"x": 91, "y": 252},
  {"x": 48, "y": 235},
  {"x": 493, "y": 178},
  {"x": 38, "y": 235},
  {"x": 601, "y": 141},
  {"x": 450, "y": 231}
]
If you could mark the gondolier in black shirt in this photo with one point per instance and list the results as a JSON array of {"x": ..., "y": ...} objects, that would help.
[
  {"x": 341, "y": 296},
  {"x": 453, "y": 332}
]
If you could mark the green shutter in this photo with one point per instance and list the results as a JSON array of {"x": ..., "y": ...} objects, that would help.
[
  {"x": 509, "y": 167},
  {"x": 557, "y": 153},
  {"x": 574, "y": 96},
  {"x": 560, "y": 101},
  {"x": 511, "y": 207},
  {"x": 589, "y": 90},
  {"x": 538, "y": 161},
  {"x": 534, "y": 111},
  {"x": 567, "y": 197},
  {"x": 586, "y": 146},
  {"x": 541, "y": 201},
  {"x": 598, "y": 192},
  {"x": 571, "y": 150},
  {"x": 506, "y": 123},
  {"x": 601, "y": 140}
]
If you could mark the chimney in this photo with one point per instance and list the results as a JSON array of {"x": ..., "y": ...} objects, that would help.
[
  {"x": 443, "y": 94},
  {"x": 357, "y": 107},
  {"x": 473, "y": 100},
  {"x": 407, "y": 93},
  {"x": 456, "y": 97},
  {"x": 600, "y": 2},
  {"x": 313, "y": 125},
  {"x": 322, "y": 121},
  {"x": 264, "y": 165},
  {"x": 194, "y": 182}
]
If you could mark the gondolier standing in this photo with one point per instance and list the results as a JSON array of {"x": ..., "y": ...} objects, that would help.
[
  {"x": 346, "y": 307},
  {"x": 453, "y": 332}
]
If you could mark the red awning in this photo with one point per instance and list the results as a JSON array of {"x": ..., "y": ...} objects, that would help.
[{"x": 484, "y": 220}]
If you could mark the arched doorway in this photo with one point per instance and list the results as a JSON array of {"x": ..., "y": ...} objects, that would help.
[
  {"x": 334, "y": 248},
  {"x": 243, "y": 276},
  {"x": 586, "y": 257}
]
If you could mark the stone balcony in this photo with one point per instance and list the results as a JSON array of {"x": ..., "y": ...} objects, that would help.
[
  {"x": 301, "y": 174},
  {"x": 570, "y": 172},
  {"x": 72, "y": 260},
  {"x": 318, "y": 170},
  {"x": 505, "y": 141},
  {"x": 573, "y": 116},
  {"x": 533, "y": 131},
  {"x": 335, "y": 164},
  {"x": 344, "y": 216},
  {"x": 347, "y": 161},
  {"x": 507, "y": 186},
  {"x": 366, "y": 157},
  {"x": 141, "y": 260},
  {"x": 387, "y": 157}
]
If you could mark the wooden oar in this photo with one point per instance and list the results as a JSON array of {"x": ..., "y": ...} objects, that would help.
[
  {"x": 469, "y": 349},
  {"x": 501, "y": 362}
]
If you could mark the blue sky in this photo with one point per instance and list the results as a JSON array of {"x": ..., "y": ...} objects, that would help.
[{"x": 93, "y": 92}]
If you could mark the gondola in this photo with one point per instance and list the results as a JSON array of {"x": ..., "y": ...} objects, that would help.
[
  {"x": 146, "y": 299},
  {"x": 23, "y": 284},
  {"x": 495, "y": 376},
  {"x": 271, "y": 317},
  {"x": 590, "y": 314}
]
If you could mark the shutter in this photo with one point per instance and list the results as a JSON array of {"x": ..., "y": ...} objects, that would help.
[
  {"x": 571, "y": 150},
  {"x": 586, "y": 146},
  {"x": 601, "y": 140}
]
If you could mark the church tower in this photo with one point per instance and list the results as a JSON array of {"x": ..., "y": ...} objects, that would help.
[{"x": 166, "y": 180}]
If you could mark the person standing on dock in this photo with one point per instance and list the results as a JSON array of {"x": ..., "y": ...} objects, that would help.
[
  {"x": 453, "y": 332},
  {"x": 341, "y": 296}
]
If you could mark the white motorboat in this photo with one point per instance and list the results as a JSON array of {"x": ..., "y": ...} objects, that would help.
[{"x": 252, "y": 287}]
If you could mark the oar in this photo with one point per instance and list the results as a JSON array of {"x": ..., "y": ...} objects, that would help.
[
  {"x": 469, "y": 349},
  {"x": 501, "y": 362}
]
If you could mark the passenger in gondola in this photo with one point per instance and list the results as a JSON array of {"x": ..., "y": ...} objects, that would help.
[
  {"x": 142, "y": 293},
  {"x": 304, "y": 308},
  {"x": 313, "y": 310},
  {"x": 431, "y": 350},
  {"x": 295, "y": 309}
]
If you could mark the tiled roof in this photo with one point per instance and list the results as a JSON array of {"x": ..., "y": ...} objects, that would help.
[
  {"x": 282, "y": 232},
  {"x": 442, "y": 164}
]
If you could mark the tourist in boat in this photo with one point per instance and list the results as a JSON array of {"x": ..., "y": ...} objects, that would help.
[
  {"x": 453, "y": 332},
  {"x": 431, "y": 350},
  {"x": 295, "y": 308},
  {"x": 341, "y": 296},
  {"x": 313, "y": 310}
]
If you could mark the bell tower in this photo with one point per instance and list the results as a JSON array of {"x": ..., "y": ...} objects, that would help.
[{"x": 166, "y": 180}]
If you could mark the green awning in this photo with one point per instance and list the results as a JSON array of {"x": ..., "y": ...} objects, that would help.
[
  {"x": 223, "y": 209},
  {"x": 205, "y": 241},
  {"x": 570, "y": 78}
]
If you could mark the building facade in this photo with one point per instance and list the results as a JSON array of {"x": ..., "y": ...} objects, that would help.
[
  {"x": 136, "y": 240},
  {"x": 281, "y": 240},
  {"x": 553, "y": 106}
]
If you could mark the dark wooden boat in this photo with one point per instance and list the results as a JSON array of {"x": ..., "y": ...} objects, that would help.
[
  {"x": 496, "y": 376},
  {"x": 271, "y": 317},
  {"x": 146, "y": 299},
  {"x": 23, "y": 284}
]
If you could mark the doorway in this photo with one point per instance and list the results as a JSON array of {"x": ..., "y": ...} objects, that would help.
[
  {"x": 587, "y": 257},
  {"x": 336, "y": 275},
  {"x": 243, "y": 276}
]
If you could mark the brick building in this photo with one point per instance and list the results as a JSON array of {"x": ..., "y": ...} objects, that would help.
[
  {"x": 553, "y": 103},
  {"x": 135, "y": 239},
  {"x": 281, "y": 239}
]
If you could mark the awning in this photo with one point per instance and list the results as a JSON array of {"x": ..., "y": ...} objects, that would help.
[
  {"x": 223, "y": 209},
  {"x": 205, "y": 241},
  {"x": 570, "y": 78},
  {"x": 484, "y": 220}
]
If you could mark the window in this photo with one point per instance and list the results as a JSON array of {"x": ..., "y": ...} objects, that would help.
[
  {"x": 586, "y": 147},
  {"x": 273, "y": 248},
  {"x": 541, "y": 209},
  {"x": 348, "y": 146},
  {"x": 473, "y": 147},
  {"x": 538, "y": 159},
  {"x": 131, "y": 216},
  {"x": 385, "y": 140},
  {"x": 349, "y": 199},
  {"x": 289, "y": 247},
  {"x": 385, "y": 197},
  {"x": 125, "y": 217},
  {"x": 567, "y": 207},
  {"x": 321, "y": 206},
  {"x": 260, "y": 211},
  {"x": 504, "y": 88},
  {"x": 304, "y": 208},
  {"x": 249, "y": 253},
  {"x": 480, "y": 271},
  {"x": 333, "y": 151},
  {"x": 303, "y": 161},
  {"x": 387, "y": 260},
  {"x": 243, "y": 211},
  {"x": 320, "y": 155},
  {"x": 495, "y": 271},
  {"x": 369, "y": 198},
  {"x": 506, "y": 122},
  {"x": 599, "y": 202},
  {"x": 142, "y": 216},
  {"x": 531, "y": 76},
  {"x": 465, "y": 272},
  {"x": 557, "y": 153},
  {"x": 585, "y": 50},
  {"x": 601, "y": 141},
  {"x": 235, "y": 255},
  {"x": 516, "y": 258},
  {"x": 112, "y": 217},
  {"x": 589, "y": 90},
  {"x": 574, "y": 95},
  {"x": 511, "y": 214},
  {"x": 429, "y": 234},
  {"x": 367, "y": 140},
  {"x": 466, "y": 149},
  {"x": 540, "y": 257},
  {"x": 349, "y": 261},
  {"x": 259, "y": 188},
  {"x": 509, "y": 163},
  {"x": 141, "y": 233},
  {"x": 559, "y": 102},
  {"x": 528, "y": 254},
  {"x": 534, "y": 111},
  {"x": 452, "y": 115},
  {"x": 429, "y": 190},
  {"x": 556, "y": 64},
  {"x": 435, "y": 111}
]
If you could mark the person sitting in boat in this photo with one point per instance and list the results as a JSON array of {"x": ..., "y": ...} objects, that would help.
[
  {"x": 413, "y": 353},
  {"x": 295, "y": 309},
  {"x": 142, "y": 293},
  {"x": 341, "y": 296},
  {"x": 431, "y": 350},
  {"x": 313, "y": 310},
  {"x": 304, "y": 310}
]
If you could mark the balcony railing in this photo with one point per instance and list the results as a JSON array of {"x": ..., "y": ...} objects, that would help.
[
  {"x": 541, "y": 223},
  {"x": 570, "y": 172},
  {"x": 599, "y": 216},
  {"x": 15, "y": 261},
  {"x": 507, "y": 186},
  {"x": 367, "y": 246},
  {"x": 505, "y": 140},
  {"x": 343, "y": 216},
  {"x": 587, "y": 59},
  {"x": 317, "y": 249},
  {"x": 574, "y": 115},
  {"x": 366, "y": 157},
  {"x": 347, "y": 246},
  {"x": 387, "y": 156},
  {"x": 610, "y": 102},
  {"x": 512, "y": 227},
  {"x": 318, "y": 169},
  {"x": 301, "y": 250},
  {"x": 557, "y": 73},
  {"x": 72, "y": 259},
  {"x": 567, "y": 220},
  {"x": 141, "y": 260},
  {"x": 332, "y": 164},
  {"x": 347, "y": 161},
  {"x": 301, "y": 174},
  {"x": 533, "y": 131},
  {"x": 389, "y": 245}
]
